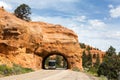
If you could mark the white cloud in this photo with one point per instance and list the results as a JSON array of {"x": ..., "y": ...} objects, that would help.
[
  {"x": 115, "y": 12},
  {"x": 54, "y": 20},
  {"x": 117, "y": 34},
  {"x": 110, "y": 6},
  {"x": 96, "y": 24},
  {"x": 80, "y": 18},
  {"x": 73, "y": 21},
  {"x": 5, "y": 5},
  {"x": 113, "y": 34}
]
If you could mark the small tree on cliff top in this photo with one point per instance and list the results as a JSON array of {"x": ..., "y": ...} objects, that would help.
[
  {"x": 111, "y": 51},
  {"x": 82, "y": 45},
  {"x": 23, "y": 12}
]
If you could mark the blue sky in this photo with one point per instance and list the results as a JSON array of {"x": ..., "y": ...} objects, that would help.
[{"x": 96, "y": 22}]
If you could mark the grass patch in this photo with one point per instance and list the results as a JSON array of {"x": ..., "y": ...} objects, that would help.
[
  {"x": 102, "y": 78},
  {"x": 76, "y": 69},
  {"x": 93, "y": 72},
  {"x": 16, "y": 69}
]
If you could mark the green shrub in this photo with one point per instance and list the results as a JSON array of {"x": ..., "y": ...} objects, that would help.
[
  {"x": 76, "y": 69},
  {"x": 5, "y": 70},
  {"x": 93, "y": 70},
  {"x": 82, "y": 45},
  {"x": 16, "y": 69}
]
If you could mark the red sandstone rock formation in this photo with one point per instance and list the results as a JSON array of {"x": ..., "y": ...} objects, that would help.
[
  {"x": 94, "y": 52},
  {"x": 29, "y": 43}
]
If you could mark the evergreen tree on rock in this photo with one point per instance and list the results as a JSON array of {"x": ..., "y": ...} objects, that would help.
[
  {"x": 111, "y": 51},
  {"x": 23, "y": 11}
]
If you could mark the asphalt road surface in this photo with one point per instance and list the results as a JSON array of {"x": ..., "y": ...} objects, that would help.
[{"x": 51, "y": 75}]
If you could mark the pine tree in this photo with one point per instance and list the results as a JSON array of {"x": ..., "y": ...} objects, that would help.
[
  {"x": 97, "y": 63},
  {"x": 88, "y": 48},
  {"x": 111, "y": 51},
  {"x": 23, "y": 12},
  {"x": 82, "y": 45},
  {"x": 84, "y": 59},
  {"x": 110, "y": 66},
  {"x": 89, "y": 60}
]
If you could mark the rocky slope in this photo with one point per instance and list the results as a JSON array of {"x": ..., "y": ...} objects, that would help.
[{"x": 29, "y": 43}]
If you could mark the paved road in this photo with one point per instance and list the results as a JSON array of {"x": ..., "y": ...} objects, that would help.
[{"x": 51, "y": 75}]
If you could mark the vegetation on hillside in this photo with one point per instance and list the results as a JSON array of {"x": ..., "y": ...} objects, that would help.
[
  {"x": 87, "y": 47},
  {"x": 87, "y": 60},
  {"x": 82, "y": 45},
  {"x": 23, "y": 11},
  {"x": 14, "y": 70},
  {"x": 97, "y": 63},
  {"x": 110, "y": 67}
]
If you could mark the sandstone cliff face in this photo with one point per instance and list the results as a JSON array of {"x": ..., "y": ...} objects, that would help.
[
  {"x": 94, "y": 55},
  {"x": 95, "y": 52},
  {"x": 29, "y": 43}
]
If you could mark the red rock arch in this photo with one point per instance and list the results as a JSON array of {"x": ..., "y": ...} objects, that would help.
[
  {"x": 30, "y": 42},
  {"x": 70, "y": 51}
]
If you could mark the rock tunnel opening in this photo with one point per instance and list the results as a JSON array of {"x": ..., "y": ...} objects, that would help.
[{"x": 55, "y": 61}]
